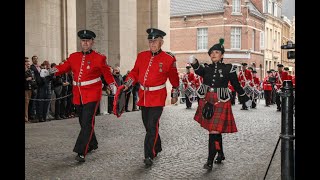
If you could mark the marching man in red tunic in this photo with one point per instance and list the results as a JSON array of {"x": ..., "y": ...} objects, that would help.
[
  {"x": 280, "y": 77},
  {"x": 188, "y": 86},
  {"x": 87, "y": 67},
  {"x": 256, "y": 85},
  {"x": 245, "y": 79},
  {"x": 152, "y": 69},
  {"x": 267, "y": 87}
]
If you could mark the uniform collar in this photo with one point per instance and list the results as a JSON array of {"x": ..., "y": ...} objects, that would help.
[
  {"x": 215, "y": 63},
  {"x": 88, "y": 52},
  {"x": 156, "y": 53}
]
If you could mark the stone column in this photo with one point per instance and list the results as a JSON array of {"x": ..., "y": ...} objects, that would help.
[{"x": 69, "y": 28}]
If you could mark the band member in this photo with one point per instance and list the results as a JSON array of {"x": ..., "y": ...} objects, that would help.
[
  {"x": 188, "y": 86},
  {"x": 245, "y": 79},
  {"x": 272, "y": 80},
  {"x": 87, "y": 67},
  {"x": 280, "y": 77},
  {"x": 256, "y": 86},
  {"x": 267, "y": 88},
  {"x": 214, "y": 112},
  {"x": 286, "y": 69},
  {"x": 152, "y": 69}
]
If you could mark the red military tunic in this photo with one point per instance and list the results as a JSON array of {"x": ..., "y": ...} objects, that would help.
[
  {"x": 188, "y": 78},
  {"x": 266, "y": 84},
  {"x": 256, "y": 82},
  {"x": 248, "y": 77},
  {"x": 153, "y": 71},
  {"x": 85, "y": 68},
  {"x": 198, "y": 81},
  {"x": 283, "y": 76}
]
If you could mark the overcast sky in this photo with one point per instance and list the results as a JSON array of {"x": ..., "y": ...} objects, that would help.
[{"x": 288, "y": 8}]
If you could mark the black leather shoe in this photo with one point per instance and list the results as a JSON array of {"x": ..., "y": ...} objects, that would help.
[
  {"x": 80, "y": 158},
  {"x": 219, "y": 159},
  {"x": 208, "y": 165},
  {"x": 135, "y": 110},
  {"x": 128, "y": 110},
  {"x": 58, "y": 118},
  {"x": 148, "y": 161}
]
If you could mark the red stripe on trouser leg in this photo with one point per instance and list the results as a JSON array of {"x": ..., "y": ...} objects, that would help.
[
  {"x": 155, "y": 139},
  {"x": 217, "y": 144},
  {"x": 92, "y": 128}
]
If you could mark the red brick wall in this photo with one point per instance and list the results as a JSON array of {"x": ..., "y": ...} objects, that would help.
[{"x": 184, "y": 35}]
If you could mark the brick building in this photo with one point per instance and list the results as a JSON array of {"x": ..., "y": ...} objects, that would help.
[{"x": 196, "y": 25}]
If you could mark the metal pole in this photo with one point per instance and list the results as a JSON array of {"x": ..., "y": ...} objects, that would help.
[{"x": 287, "y": 137}]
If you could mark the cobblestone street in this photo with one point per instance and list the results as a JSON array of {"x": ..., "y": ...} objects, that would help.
[{"x": 49, "y": 145}]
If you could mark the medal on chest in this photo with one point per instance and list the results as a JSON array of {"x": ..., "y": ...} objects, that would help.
[
  {"x": 160, "y": 67},
  {"x": 88, "y": 66},
  {"x": 220, "y": 72}
]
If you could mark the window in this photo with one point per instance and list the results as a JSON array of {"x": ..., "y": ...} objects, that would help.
[
  {"x": 264, "y": 7},
  {"x": 275, "y": 10},
  {"x": 267, "y": 36},
  {"x": 253, "y": 39},
  {"x": 236, "y": 38},
  {"x": 269, "y": 7},
  {"x": 270, "y": 39},
  {"x": 272, "y": 6},
  {"x": 279, "y": 41},
  {"x": 202, "y": 38},
  {"x": 262, "y": 40},
  {"x": 236, "y": 6},
  {"x": 279, "y": 11},
  {"x": 275, "y": 40}
]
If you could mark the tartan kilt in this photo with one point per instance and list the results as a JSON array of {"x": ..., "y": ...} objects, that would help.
[{"x": 222, "y": 119}]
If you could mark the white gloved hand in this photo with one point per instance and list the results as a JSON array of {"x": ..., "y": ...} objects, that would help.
[
  {"x": 44, "y": 73},
  {"x": 113, "y": 88},
  {"x": 192, "y": 59}
]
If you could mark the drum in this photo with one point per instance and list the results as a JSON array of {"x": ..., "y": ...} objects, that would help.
[
  {"x": 248, "y": 90},
  {"x": 189, "y": 91},
  {"x": 256, "y": 93}
]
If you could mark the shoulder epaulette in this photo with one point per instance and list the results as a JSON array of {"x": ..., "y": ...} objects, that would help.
[
  {"x": 100, "y": 53},
  {"x": 170, "y": 53},
  {"x": 233, "y": 68}
]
